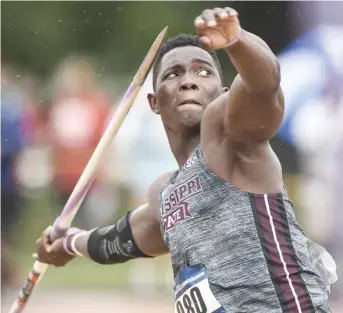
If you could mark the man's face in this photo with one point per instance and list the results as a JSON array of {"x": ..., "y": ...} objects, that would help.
[{"x": 188, "y": 80}]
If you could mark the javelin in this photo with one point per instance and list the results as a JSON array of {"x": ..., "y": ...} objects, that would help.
[{"x": 69, "y": 211}]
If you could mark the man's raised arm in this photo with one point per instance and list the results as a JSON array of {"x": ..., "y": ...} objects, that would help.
[{"x": 254, "y": 106}]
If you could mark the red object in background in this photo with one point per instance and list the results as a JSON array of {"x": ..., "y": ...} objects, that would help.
[{"x": 76, "y": 125}]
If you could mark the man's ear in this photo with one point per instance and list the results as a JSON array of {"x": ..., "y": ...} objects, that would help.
[
  {"x": 225, "y": 89},
  {"x": 153, "y": 103}
]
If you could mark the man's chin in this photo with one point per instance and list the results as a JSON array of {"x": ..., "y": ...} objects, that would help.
[{"x": 191, "y": 119}]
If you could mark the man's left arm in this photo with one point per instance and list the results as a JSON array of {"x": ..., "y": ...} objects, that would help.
[
  {"x": 254, "y": 106},
  {"x": 255, "y": 103}
]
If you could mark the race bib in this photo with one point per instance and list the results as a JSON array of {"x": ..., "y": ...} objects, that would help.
[{"x": 193, "y": 293}]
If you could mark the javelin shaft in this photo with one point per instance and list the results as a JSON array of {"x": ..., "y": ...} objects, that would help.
[{"x": 69, "y": 211}]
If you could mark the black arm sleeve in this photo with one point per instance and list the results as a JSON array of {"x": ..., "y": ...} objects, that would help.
[{"x": 114, "y": 244}]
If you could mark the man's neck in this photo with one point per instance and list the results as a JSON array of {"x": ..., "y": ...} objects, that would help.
[{"x": 182, "y": 145}]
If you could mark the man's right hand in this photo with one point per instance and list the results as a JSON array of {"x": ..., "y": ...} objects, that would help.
[{"x": 52, "y": 253}]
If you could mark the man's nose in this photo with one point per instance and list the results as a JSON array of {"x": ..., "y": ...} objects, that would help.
[{"x": 188, "y": 86}]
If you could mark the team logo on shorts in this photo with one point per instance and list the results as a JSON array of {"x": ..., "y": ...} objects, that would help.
[{"x": 175, "y": 207}]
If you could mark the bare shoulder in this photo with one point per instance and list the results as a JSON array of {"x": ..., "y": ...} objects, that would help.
[
  {"x": 157, "y": 185},
  {"x": 154, "y": 190},
  {"x": 160, "y": 181},
  {"x": 212, "y": 128},
  {"x": 145, "y": 221}
]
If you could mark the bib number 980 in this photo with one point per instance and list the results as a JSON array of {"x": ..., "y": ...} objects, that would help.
[{"x": 191, "y": 302}]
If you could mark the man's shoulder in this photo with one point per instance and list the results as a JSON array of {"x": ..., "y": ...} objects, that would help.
[
  {"x": 156, "y": 187},
  {"x": 160, "y": 181},
  {"x": 212, "y": 121},
  {"x": 154, "y": 191}
]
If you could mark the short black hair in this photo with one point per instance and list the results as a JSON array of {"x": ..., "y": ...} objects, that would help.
[{"x": 182, "y": 40}]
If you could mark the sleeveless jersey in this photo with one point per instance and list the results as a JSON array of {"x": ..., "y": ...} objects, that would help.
[{"x": 246, "y": 251}]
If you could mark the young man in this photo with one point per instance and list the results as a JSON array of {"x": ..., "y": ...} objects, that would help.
[{"x": 224, "y": 216}]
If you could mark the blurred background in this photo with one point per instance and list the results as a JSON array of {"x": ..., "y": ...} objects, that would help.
[{"x": 65, "y": 67}]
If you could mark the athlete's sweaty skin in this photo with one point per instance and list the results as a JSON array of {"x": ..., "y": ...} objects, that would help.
[{"x": 232, "y": 125}]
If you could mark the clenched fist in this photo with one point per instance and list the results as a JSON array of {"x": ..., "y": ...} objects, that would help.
[
  {"x": 53, "y": 253},
  {"x": 218, "y": 28}
]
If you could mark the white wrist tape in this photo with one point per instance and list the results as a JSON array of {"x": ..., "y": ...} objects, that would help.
[{"x": 72, "y": 244}]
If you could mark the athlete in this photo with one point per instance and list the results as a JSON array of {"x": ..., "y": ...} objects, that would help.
[{"x": 224, "y": 216}]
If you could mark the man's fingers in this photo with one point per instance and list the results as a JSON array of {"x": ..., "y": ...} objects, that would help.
[
  {"x": 209, "y": 18},
  {"x": 48, "y": 248},
  {"x": 36, "y": 257},
  {"x": 205, "y": 42},
  {"x": 46, "y": 239},
  {"x": 199, "y": 22},
  {"x": 231, "y": 12},
  {"x": 46, "y": 231},
  {"x": 220, "y": 13},
  {"x": 45, "y": 250},
  {"x": 47, "y": 235}
]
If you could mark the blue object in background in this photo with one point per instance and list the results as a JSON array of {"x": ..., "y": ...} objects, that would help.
[
  {"x": 12, "y": 135},
  {"x": 307, "y": 65}
]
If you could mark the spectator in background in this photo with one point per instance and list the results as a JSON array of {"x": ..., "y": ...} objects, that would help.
[
  {"x": 77, "y": 118},
  {"x": 33, "y": 165},
  {"x": 29, "y": 84},
  {"x": 15, "y": 133}
]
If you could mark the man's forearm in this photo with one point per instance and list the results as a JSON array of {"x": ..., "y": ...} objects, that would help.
[
  {"x": 256, "y": 63},
  {"x": 106, "y": 245}
]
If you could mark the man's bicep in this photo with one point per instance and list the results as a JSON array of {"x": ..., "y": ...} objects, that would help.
[
  {"x": 145, "y": 222},
  {"x": 251, "y": 117},
  {"x": 146, "y": 231}
]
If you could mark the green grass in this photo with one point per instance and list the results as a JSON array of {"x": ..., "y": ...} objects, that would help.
[{"x": 80, "y": 273}]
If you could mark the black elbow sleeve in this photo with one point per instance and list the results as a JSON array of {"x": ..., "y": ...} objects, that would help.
[{"x": 114, "y": 244}]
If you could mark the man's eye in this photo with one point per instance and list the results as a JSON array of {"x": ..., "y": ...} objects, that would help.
[
  {"x": 204, "y": 72},
  {"x": 171, "y": 75}
]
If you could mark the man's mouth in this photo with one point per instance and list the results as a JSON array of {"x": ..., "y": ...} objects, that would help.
[{"x": 189, "y": 101}]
